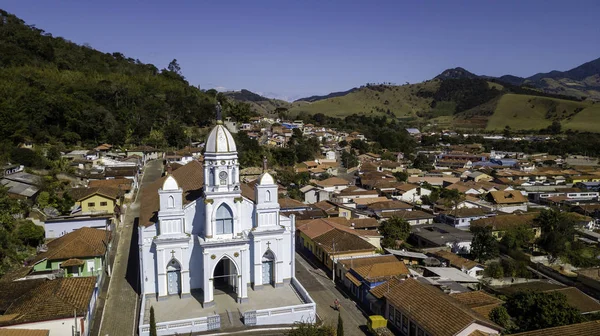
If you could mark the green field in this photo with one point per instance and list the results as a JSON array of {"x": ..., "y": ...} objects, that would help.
[
  {"x": 401, "y": 101},
  {"x": 524, "y": 112}
]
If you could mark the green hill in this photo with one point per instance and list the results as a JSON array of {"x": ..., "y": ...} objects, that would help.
[{"x": 53, "y": 90}]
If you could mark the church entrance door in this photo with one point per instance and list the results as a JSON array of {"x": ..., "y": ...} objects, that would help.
[
  {"x": 225, "y": 277},
  {"x": 173, "y": 278},
  {"x": 267, "y": 268}
]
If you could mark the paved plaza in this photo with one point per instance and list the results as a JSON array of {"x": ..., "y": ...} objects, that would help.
[{"x": 175, "y": 308}]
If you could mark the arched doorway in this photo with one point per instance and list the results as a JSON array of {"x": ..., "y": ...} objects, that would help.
[
  {"x": 225, "y": 278},
  {"x": 173, "y": 278},
  {"x": 268, "y": 272}
]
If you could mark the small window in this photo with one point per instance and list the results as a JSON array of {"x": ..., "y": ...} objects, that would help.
[
  {"x": 103, "y": 203},
  {"x": 91, "y": 204}
]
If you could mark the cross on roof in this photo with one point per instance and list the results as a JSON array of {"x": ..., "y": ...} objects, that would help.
[
  {"x": 173, "y": 254},
  {"x": 268, "y": 245}
]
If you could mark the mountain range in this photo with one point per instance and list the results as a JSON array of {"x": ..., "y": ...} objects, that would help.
[{"x": 461, "y": 99}]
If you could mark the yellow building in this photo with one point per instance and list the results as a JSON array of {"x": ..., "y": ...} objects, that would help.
[
  {"x": 98, "y": 200},
  {"x": 501, "y": 223}
]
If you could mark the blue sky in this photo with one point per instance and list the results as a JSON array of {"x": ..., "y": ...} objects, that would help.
[{"x": 290, "y": 49}]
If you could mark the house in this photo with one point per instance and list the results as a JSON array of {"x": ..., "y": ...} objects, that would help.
[
  {"x": 24, "y": 332},
  {"x": 507, "y": 201},
  {"x": 333, "y": 184},
  {"x": 323, "y": 239},
  {"x": 22, "y": 185},
  {"x": 101, "y": 200},
  {"x": 408, "y": 257},
  {"x": 380, "y": 208},
  {"x": 450, "y": 274},
  {"x": 350, "y": 194},
  {"x": 433, "y": 180},
  {"x": 312, "y": 194},
  {"x": 441, "y": 235},
  {"x": 410, "y": 193},
  {"x": 478, "y": 176},
  {"x": 9, "y": 169},
  {"x": 78, "y": 253},
  {"x": 461, "y": 218},
  {"x": 415, "y": 308},
  {"x": 130, "y": 172},
  {"x": 479, "y": 301},
  {"x": 368, "y": 273},
  {"x": 501, "y": 223},
  {"x": 330, "y": 208},
  {"x": 59, "y": 226},
  {"x": 61, "y": 306},
  {"x": 122, "y": 184},
  {"x": 413, "y": 132},
  {"x": 414, "y": 217},
  {"x": 470, "y": 267}
]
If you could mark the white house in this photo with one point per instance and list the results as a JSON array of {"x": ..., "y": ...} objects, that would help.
[{"x": 208, "y": 242}]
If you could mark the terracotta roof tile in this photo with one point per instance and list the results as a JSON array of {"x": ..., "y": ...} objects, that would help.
[
  {"x": 120, "y": 183},
  {"x": 390, "y": 205},
  {"x": 290, "y": 203},
  {"x": 81, "y": 243},
  {"x": 353, "y": 279},
  {"x": 455, "y": 260},
  {"x": 51, "y": 299},
  {"x": 333, "y": 181},
  {"x": 365, "y": 261},
  {"x": 507, "y": 197},
  {"x": 383, "y": 289},
  {"x": 381, "y": 271},
  {"x": 344, "y": 242},
  {"x": 190, "y": 179},
  {"x": 504, "y": 222},
  {"x": 578, "y": 329},
  {"x": 438, "y": 313}
]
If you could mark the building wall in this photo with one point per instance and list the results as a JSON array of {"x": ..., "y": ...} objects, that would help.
[
  {"x": 58, "y": 228},
  {"x": 84, "y": 270},
  {"x": 59, "y": 327},
  {"x": 97, "y": 207}
]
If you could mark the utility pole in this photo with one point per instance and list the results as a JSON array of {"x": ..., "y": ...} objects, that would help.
[{"x": 333, "y": 260}]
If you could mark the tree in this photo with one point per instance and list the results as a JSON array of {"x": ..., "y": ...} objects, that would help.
[
  {"x": 53, "y": 153},
  {"x": 537, "y": 310},
  {"x": 517, "y": 237},
  {"x": 349, "y": 160},
  {"x": 174, "y": 67},
  {"x": 555, "y": 127},
  {"x": 494, "y": 270},
  {"x": 340, "y": 326},
  {"x": 558, "y": 230},
  {"x": 29, "y": 233},
  {"x": 422, "y": 162},
  {"x": 401, "y": 176},
  {"x": 152, "y": 322},
  {"x": 484, "y": 246},
  {"x": 506, "y": 133},
  {"x": 394, "y": 230},
  {"x": 499, "y": 315}
]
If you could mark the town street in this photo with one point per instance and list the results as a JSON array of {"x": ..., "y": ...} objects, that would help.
[
  {"x": 324, "y": 292},
  {"x": 119, "y": 316}
]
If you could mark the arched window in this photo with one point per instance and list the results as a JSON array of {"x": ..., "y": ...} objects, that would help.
[
  {"x": 171, "y": 202},
  {"x": 224, "y": 220},
  {"x": 268, "y": 196}
]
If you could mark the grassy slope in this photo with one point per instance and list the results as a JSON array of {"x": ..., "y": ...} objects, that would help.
[
  {"x": 529, "y": 112},
  {"x": 401, "y": 101}
]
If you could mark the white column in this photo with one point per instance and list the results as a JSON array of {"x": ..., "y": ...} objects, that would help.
[
  {"x": 161, "y": 272},
  {"x": 208, "y": 231},
  {"x": 208, "y": 282},
  {"x": 238, "y": 215},
  {"x": 185, "y": 271},
  {"x": 243, "y": 281}
]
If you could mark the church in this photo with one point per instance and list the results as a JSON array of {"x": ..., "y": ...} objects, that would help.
[{"x": 204, "y": 233}]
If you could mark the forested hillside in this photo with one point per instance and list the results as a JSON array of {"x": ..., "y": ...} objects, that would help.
[{"x": 54, "y": 90}]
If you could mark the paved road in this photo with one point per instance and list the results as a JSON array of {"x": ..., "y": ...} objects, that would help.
[
  {"x": 324, "y": 292},
  {"x": 120, "y": 313}
]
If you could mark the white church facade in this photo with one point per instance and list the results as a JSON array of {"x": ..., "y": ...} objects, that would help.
[{"x": 206, "y": 237}]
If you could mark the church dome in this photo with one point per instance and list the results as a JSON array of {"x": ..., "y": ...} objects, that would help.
[
  {"x": 170, "y": 184},
  {"x": 266, "y": 179},
  {"x": 220, "y": 140}
]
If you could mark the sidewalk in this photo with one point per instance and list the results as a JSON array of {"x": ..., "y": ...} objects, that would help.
[{"x": 323, "y": 291}]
